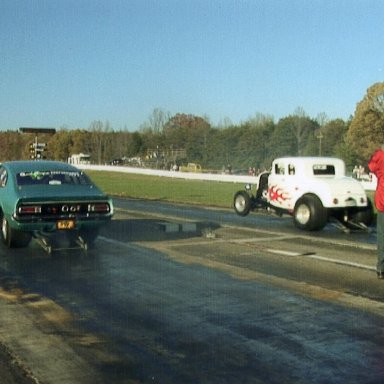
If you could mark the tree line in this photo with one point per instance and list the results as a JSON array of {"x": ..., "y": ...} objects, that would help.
[{"x": 184, "y": 138}]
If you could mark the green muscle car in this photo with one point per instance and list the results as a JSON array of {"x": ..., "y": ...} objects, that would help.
[{"x": 42, "y": 197}]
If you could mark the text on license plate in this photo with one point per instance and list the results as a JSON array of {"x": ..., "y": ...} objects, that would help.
[{"x": 65, "y": 224}]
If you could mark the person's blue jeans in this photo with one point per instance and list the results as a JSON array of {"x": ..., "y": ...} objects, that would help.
[{"x": 380, "y": 242}]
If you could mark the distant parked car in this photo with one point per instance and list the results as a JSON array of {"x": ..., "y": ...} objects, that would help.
[
  {"x": 190, "y": 167},
  {"x": 117, "y": 162},
  {"x": 42, "y": 197}
]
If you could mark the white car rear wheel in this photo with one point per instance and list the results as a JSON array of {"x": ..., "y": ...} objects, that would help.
[{"x": 309, "y": 213}]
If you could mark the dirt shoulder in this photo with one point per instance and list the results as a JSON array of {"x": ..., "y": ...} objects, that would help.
[
  {"x": 12, "y": 371},
  {"x": 36, "y": 341}
]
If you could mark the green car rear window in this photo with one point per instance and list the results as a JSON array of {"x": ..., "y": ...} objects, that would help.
[{"x": 52, "y": 178}]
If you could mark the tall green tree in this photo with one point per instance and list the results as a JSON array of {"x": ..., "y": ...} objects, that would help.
[
  {"x": 221, "y": 149},
  {"x": 366, "y": 131},
  {"x": 189, "y": 132},
  {"x": 13, "y": 146},
  {"x": 252, "y": 147},
  {"x": 81, "y": 142},
  {"x": 330, "y": 137},
  {"x": 134, "y": 144},
  {"x": 303, "y": 129},
  {"x": 59, "y": 145},
  {"x": 283, "y": 141}
]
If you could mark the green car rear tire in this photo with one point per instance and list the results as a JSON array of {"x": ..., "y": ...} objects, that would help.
[{"x": 12, "y": 238}]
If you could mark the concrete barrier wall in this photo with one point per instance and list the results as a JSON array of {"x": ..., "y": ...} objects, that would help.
[
  {"x": 369, "y": 186},
  {"x": 172, "y": 174}
]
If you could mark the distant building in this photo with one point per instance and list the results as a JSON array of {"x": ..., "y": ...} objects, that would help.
[{"x": 80, "y": 158}]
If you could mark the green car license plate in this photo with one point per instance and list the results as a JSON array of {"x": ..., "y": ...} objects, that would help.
[{"x": 65, "y": 224}]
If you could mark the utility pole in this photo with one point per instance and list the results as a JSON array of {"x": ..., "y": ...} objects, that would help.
[{"x": 320, "y": 136}]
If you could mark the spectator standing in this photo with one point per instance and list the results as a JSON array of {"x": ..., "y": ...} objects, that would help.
[
  {"x": 376, "y": 166},
  {"x": 355, "y": 171}
]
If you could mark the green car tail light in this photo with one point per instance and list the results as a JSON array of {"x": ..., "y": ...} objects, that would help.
[
  {"x": 29, "y": 209},
  {"x": 99, "y": 207}
]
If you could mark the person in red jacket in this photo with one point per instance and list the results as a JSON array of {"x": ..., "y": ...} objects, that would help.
[{"x": 376, "y": 166}]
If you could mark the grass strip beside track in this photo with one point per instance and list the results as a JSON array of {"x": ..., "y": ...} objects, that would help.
[{"x": 208, "y": 193}]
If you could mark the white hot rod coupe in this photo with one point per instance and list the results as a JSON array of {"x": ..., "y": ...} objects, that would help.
[{"x": 313, "y": 190}]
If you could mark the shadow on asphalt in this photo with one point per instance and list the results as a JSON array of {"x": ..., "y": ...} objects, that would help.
[{"x": 155, "y": 230}]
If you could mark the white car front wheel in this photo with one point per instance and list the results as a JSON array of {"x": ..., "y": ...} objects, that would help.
[{"x": 242, "y": 203}]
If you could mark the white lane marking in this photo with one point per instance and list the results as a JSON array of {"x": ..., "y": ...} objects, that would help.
[
  {"x": 322, "y": 258},
  {"x": 343, "y": 262},
  {"x": 262, "y": 239},
  {"x": 284, "y": 253}
]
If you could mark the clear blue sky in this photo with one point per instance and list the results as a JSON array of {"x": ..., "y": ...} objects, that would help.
[{"x": 71, "y": 62}]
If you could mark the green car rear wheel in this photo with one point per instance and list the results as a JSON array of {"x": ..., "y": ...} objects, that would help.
[{"x": 13, "y": 238}]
